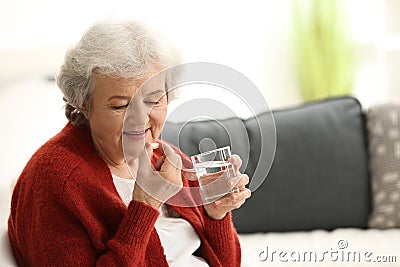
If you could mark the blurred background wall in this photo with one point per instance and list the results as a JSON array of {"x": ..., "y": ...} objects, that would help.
[{"x": 264, "y": 40}]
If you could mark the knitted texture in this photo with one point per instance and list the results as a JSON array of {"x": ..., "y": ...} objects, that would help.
[
  {"x": 65, "y": 211},
  {"x": 384, "y": 147}
]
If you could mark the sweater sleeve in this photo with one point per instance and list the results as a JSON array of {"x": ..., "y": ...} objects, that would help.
[
  {"x": 128, "y": 247},
  {"x": 65, "y": 239},
  {"x": 223, "y": 238}
]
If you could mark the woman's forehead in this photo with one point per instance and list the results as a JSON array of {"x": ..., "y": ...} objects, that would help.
[{"x": 109, "y": 85}]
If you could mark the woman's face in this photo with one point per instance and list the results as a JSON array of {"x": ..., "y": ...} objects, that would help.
[{"x": 145, "y": 119}]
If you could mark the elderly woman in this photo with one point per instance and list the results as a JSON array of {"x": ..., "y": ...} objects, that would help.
[{"x": 76, "y": 203}]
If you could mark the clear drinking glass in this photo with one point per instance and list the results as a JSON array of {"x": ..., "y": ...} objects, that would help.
[{"x": 216, "y": 175}]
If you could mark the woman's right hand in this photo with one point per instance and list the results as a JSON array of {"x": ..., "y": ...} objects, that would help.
[{"x": 156, "y": 186}]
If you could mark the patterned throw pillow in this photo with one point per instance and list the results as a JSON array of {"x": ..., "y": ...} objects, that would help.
[{"x": 383, "y": 125}]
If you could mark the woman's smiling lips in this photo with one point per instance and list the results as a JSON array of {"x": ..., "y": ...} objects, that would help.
[{"x": 136, "y": 135}]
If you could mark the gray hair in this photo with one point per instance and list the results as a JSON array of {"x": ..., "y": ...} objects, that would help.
[{"x": 118, "y": 49}]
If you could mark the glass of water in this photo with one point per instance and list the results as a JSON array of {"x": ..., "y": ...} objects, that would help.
[{"x": 216, "y": 175}]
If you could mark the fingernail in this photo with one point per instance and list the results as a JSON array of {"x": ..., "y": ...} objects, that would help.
[
  {"x": 155, "y": 145},
  {"x": 218, "y": 202}
]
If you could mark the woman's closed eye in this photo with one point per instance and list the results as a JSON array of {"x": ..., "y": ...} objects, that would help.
[
  {"x": 154, "y": 100},
  {"x": 119, "y": 107},
  {"x": 152, "y": 103}
]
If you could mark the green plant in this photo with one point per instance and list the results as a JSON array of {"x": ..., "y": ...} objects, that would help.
[{"x": 323, "y": 50}]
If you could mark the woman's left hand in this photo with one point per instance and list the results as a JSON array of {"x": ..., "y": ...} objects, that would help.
[{"x": 218, "y": 209}]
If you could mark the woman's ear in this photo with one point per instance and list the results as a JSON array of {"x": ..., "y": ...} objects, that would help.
[{"x": 85, "y": 111}]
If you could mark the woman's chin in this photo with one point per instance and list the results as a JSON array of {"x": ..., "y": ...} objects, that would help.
[{"x": 132, "y": 148}]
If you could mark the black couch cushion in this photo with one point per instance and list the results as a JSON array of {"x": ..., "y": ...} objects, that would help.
[{"x": 319, "y": 178}]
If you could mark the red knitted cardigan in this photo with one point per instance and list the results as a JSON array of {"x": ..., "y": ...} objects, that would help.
[{"x": 65, "y": 211}]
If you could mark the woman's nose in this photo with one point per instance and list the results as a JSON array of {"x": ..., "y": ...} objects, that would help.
[{"x": 137, "y": 114}]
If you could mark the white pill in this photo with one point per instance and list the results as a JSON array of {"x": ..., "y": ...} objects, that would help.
[{"x": 155, "y": 145}]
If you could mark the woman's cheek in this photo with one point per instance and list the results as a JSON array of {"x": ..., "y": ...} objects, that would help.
[{"x": 158, "y": 125}]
